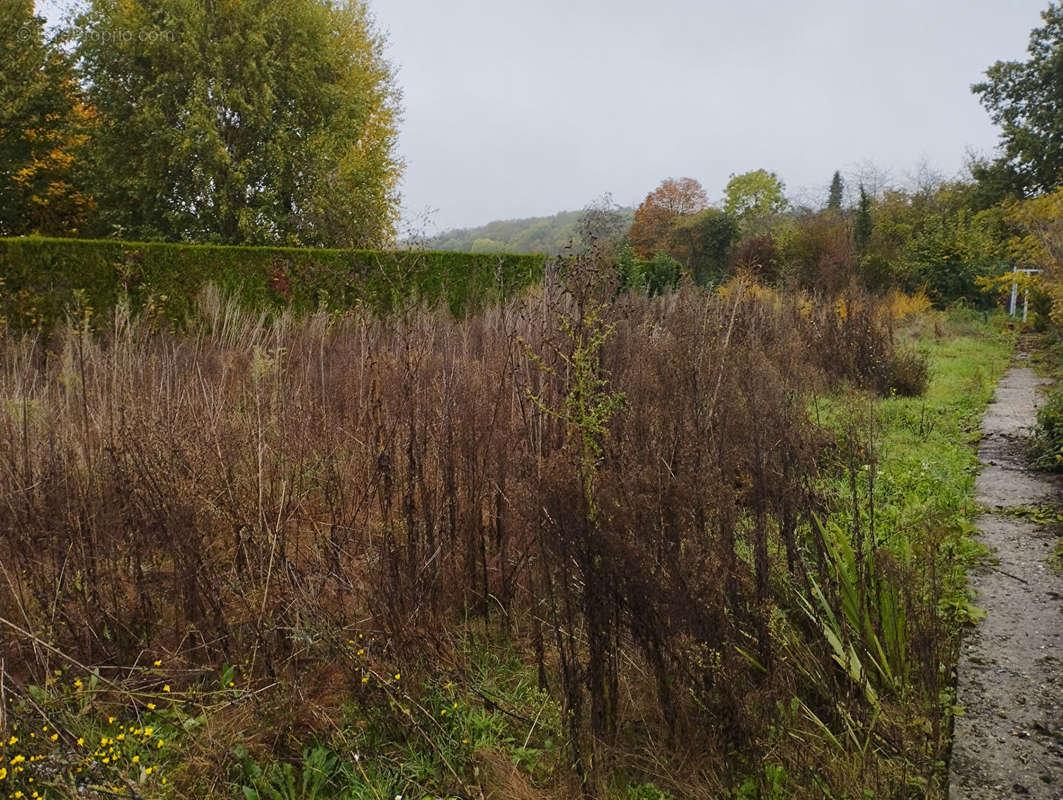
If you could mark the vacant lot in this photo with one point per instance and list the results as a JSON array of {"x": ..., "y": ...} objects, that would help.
[{"x": 580, "y": 544}]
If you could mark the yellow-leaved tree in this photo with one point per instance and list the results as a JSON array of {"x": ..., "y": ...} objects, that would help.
[
  {"x": 44, "y": 126},
  {"x": 1038, "y": 244}
]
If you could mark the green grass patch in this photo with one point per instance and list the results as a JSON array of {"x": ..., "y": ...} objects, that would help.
[{"x": 899, "y": 488}]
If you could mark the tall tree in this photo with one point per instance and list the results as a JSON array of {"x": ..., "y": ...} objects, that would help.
[
  {"x": 702, "y": 242},
  {"x": 602, "y": 223},
  {"x": 43, "y": 127},
  {"x": 1038, "y": 242},
  {"x": 754, "y": 197},
  {"x": 1026, "y": 99},
  {"x": 817, "y": 252},
  {"x": 837, "y": 187},
  {"x": 654, "y": 217},
  {"x": 242, "y": 121},
  {"x": 995, "y": 182},
  {"x": 863, "y": 223}
]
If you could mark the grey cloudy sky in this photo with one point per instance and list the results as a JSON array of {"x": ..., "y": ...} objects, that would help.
[{"x": 516, "y": 109}]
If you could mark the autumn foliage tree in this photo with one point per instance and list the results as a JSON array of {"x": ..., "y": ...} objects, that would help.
[
  {"x": 43, "y": 129},
  {"x": 819, "y": 252},
  {"x": 755, "y": 198},
  {"x": 662, "y": 207},
  {"x": 1037, "y": 243}
]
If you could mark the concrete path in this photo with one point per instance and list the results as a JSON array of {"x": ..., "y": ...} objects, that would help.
[{"x": 1009, "y": 743}]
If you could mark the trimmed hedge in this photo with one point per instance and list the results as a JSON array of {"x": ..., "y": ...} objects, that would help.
[{"x": 39, "y": 277}]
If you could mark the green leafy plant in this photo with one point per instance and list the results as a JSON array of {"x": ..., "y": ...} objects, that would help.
[
  {"x": 770, "y": 785},
  {"x": 645, "y": 791},
  {"x": 314, "y": 779},
  {"x": 1047, "y": 444}
]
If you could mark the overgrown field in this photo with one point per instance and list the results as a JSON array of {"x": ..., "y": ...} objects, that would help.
[{"x": 580, "y": 544}]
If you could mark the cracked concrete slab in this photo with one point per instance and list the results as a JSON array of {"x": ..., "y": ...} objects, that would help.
[{"x": 1009, "y": 743}]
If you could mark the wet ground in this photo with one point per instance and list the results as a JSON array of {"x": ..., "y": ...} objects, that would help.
[{"x": 1009, "y": 743}]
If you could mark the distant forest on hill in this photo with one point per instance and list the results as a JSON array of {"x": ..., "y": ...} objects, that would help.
[{"x": 549, "y": 235}]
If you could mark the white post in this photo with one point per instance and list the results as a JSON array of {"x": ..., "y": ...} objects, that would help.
[
  {"x": 1025, "y": 305},
  {"x": 1014, "y": 298}
]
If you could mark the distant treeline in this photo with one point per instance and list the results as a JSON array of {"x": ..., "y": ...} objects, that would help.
[
  {"x": 947, "y": 238},
  {"x": 551, "y": 235},
  {"x": 43, "y": 279}
]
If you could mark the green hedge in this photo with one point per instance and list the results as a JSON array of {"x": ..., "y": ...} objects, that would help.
[{"x": 39, "y": 277}]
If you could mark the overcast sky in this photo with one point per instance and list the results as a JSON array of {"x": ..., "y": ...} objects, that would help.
[{"x": 516, "y": 109}]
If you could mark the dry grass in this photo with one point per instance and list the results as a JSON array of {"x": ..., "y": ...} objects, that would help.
[{"x": 621, "y": 485}]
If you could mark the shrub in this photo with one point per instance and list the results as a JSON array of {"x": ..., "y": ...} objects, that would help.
[
  {"x": 39, "y": 278},
  {"x": 851, "y": 338},
  {"x": 1047, "y": 443},
  {"x": 661, "y": 273},
  {"x": 902, "y": 306},
  {"x": 818, "y": 252},
  {"x": 907, "y": 374},
  {"x": 653, "y": 277},
  {"x": 757, "y": 255}
]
